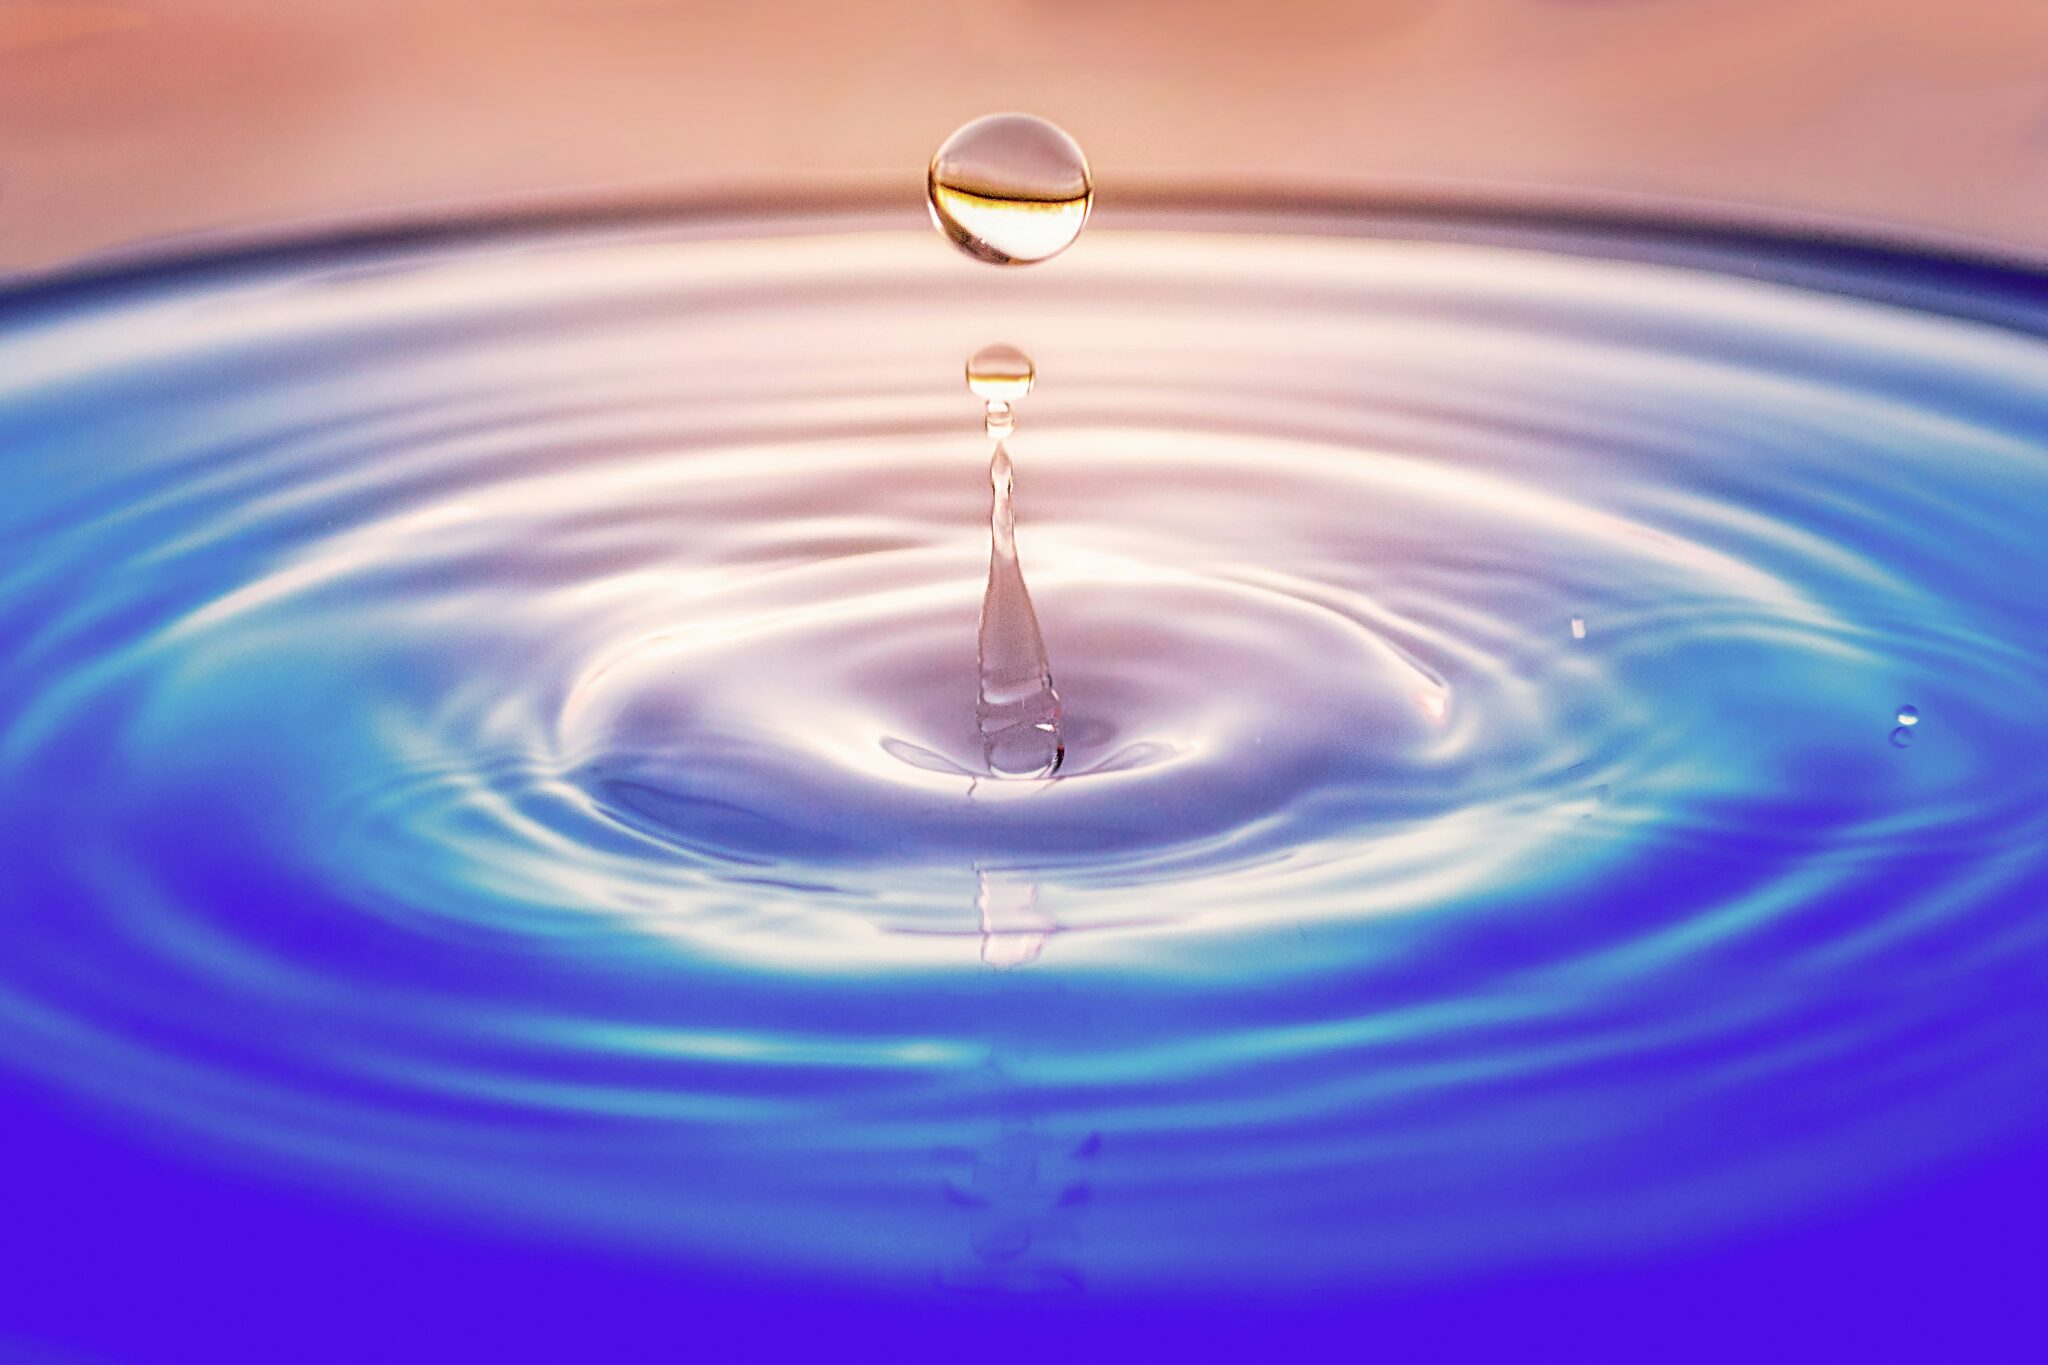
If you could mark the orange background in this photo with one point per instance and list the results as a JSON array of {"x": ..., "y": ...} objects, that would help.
[{"x": 127, "y": 122}]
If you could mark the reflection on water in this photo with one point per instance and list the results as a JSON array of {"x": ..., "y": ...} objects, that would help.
[
  {"x": 1013, "y": 928},
  {"x": 480, "y": 726},
  {"x": 1022, "y": 1193}
]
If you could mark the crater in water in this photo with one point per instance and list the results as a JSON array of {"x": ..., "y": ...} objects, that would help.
[{"x": 478, "y": 717}]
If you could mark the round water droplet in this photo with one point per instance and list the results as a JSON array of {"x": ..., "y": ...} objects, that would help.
[
  {"x": 1902, "y": 736},
  {"x": 1909, "y": 715},
  {"x": 1010, "y": 189},
  {"x": 1000, "y": 374}
]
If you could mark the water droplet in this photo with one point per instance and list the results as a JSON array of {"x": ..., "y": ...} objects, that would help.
[
  {"x": 1909, "y": 715},
  {"x": 1000, "y": 376},
  {"x": 1578, "y": 627},
  {"x": 1902, "y": 736},
  {"x": 1018, "y": 711},
  {"x": 1010, "y": 189}
]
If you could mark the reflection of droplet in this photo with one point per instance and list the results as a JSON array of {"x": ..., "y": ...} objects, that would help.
[
  {"x": 1013, "y": 928},
  {"x": 1902, "y": 736},
  {"x": 1909, "y": 715},
  {"x": 1000, "y": 1243},
  {"x": 1578, "y": 627},
  {"x": 1010, "y": 189}
]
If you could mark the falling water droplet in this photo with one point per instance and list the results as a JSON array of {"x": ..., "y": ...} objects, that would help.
[
  {"x": 1018, "y": 711},
  {"x": 1000, "y": 376},
  {"x": 1010, "y": 189},
  {"x": 1578, "y": 627},
  {"x": 1909, "y": 715},
  {"x": 1902, "y": 736}
]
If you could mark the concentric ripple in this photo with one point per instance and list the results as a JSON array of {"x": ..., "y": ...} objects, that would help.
[{"x": 491, "y": 720}]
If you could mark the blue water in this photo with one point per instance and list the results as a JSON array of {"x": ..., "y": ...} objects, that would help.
[{"x": 494, "y": 865}]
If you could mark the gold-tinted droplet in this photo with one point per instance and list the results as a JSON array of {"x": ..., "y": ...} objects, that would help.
[
  {"x": 1010, "y": 189},
  {"x": 1000, "y": 374}
]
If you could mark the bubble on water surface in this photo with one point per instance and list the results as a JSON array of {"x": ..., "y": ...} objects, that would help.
[
  {"x": 1909, "y": 715},
  {"x": 1010, "y": 189}
]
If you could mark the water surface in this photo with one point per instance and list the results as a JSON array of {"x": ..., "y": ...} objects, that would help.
[{"x": 490, "y": 731}]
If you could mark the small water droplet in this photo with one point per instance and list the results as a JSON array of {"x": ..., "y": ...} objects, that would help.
[
  {"x": 1909, "y": 715},
  {"x": 1902, "y": 736},
  {"x": 1000, "y": 376},
  {"x": 1578, "y": 627},
  {"x": 1010, "y": 189}
]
